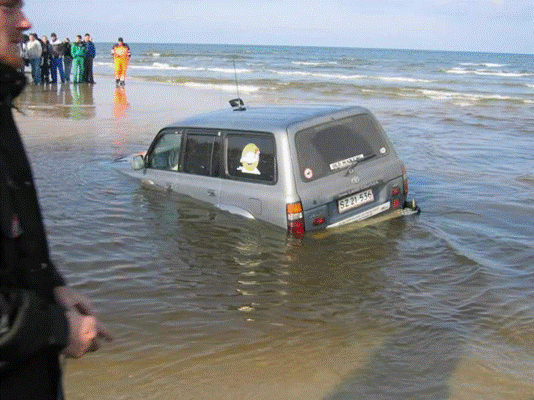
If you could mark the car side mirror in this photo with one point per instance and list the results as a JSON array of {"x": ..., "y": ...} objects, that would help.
[{"x": 138, "y": 162}]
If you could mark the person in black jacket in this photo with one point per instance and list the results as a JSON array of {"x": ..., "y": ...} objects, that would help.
[
  {"x": 67, "y": 59},
  {"x": 40, "y": 317},
  {"x": 45, "y": 59}
]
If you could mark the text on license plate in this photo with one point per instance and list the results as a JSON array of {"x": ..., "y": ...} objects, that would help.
[{"x": 355, "y": 200}]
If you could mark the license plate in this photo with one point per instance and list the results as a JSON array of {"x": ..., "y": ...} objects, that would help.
[{"x": 348, "y": 203}]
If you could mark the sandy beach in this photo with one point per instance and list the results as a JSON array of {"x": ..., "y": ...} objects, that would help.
[{"x": 83, "y": 112}]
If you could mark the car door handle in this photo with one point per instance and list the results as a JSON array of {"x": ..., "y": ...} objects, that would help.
[{"x": 211, "y": 193}]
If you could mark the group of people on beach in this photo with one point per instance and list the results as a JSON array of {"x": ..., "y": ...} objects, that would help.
[{"x": 49, "y": 57}]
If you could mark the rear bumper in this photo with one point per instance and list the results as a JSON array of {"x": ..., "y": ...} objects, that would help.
[{"x": 380, "y": 213}]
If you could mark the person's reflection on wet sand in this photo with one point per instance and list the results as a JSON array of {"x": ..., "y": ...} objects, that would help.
[
  {"x": 62, "y": 101},
  {"x": 120, "y": 108},
  {"x": 82, "y": 106},
  {"x": 120, "y": 103}
]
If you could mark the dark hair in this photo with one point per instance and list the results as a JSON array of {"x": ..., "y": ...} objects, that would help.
[
  {"x": 87, "y": 35},
  {"x": 79, "y": 36},
  {"x": 121, "y": 39},
  {"x": 53, "y": 35}
]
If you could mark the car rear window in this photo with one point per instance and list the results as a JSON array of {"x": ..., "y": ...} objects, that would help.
[{"x": 326, "y": 149}]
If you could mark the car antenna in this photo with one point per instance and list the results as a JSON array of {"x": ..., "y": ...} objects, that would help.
[{"x": 237, "y": 104}]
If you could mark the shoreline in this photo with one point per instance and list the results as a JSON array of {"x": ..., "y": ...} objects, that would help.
[{"x": 82, "y": 112}]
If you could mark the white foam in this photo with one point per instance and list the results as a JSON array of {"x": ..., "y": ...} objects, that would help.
[
  {"x": 318, "y": 75},
  {"x": 164, "y": 66},
  {"x": 404, "y": 79},
  {"x": 314, "y": 64},
  {"x": 465, "y": 97},
  {"x": 230, "y": 70},
  {"x": 463, "y": 71},
  {"x": 216, "y": 86},
  {"x": 103, "y": 64},
  {"x": 487, "y": 65},
  {"x": 399, "y": 79}
]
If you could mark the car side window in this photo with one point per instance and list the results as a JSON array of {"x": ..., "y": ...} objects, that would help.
[
  {"x": 202, "y": 154},
  {"x": 165, "y": 154},
  {"x": 251, "y": 157}
]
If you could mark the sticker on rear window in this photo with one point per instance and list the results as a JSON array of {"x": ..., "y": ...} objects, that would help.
[
  {"x": 308, "y": 173},
  {"x": 345, "y": 163},
  {"x": 250, "y": 158}
]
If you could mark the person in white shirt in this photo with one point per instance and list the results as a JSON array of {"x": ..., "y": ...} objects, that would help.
[{"x": 34, "y": 52}]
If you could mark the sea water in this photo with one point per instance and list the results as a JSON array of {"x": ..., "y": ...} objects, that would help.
[
  {"x": 323, "y": 73},
  {"x": 209, "y": 306}
]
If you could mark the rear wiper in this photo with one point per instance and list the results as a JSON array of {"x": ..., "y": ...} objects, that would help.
[{"x": 350, "y": 168}]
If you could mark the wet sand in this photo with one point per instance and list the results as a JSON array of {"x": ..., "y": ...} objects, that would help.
[
  {"x": 82, "y": 108},
  {"x": 205, "y": 306},
  {"x": 143, "y": 362}
]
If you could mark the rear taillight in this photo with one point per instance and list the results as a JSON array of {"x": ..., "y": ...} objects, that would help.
[
  {"x": 395, "y": 193},
  {"x": 405, "y": 181},
  {"x": 295, "y": 219}
]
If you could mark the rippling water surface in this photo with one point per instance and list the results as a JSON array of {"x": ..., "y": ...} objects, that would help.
[{"x": 205, "y": 305}]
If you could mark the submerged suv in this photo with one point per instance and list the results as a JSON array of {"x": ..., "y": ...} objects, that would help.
[{"x": 301, "y": 168}]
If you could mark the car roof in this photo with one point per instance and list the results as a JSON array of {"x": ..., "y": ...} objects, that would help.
[{"x": 268, "y": 118}]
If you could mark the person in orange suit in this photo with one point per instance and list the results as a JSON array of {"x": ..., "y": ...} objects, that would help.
[{"x": 121, "y": 55}]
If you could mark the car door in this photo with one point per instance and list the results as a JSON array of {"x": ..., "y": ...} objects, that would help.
[
  {"x": 186, "y": 162},
  {"x": 200, "y": 165}
]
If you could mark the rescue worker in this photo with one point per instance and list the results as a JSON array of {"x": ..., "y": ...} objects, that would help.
[
  {"x": 121, "y": 54},
  {"x": 77, "y": 51}
]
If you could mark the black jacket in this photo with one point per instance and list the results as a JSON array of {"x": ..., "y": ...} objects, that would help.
[{"x": 33, "y": 328}]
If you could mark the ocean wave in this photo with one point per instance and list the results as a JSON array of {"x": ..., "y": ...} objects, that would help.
[
  {"x": 487, "y": 65},
  {"x": 323, "y": 89},
  {"x": 103, "y": 64},
  {"x": 397, "y": 79},
  {"x": 230, "y": 70},
  {"x": 469, "y": 97},
  {"x": 168, "y": 67},
  {"x": 463, "y": 71},
  {"x": 403, "y": 79},
  {"x": 315, "y": 64},
  {"x": 219, "y": 86},
  {"x": 317, "y": 75},
  {"x": 165, "y": 67}
]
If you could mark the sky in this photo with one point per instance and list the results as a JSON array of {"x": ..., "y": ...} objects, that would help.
[{"x": 454, "y": 25}]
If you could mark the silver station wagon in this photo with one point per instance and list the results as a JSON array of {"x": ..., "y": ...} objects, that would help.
[{"x": 303, "y": 168}]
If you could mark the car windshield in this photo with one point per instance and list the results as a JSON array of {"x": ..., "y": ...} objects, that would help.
[{"x": 326, "y": 149}]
